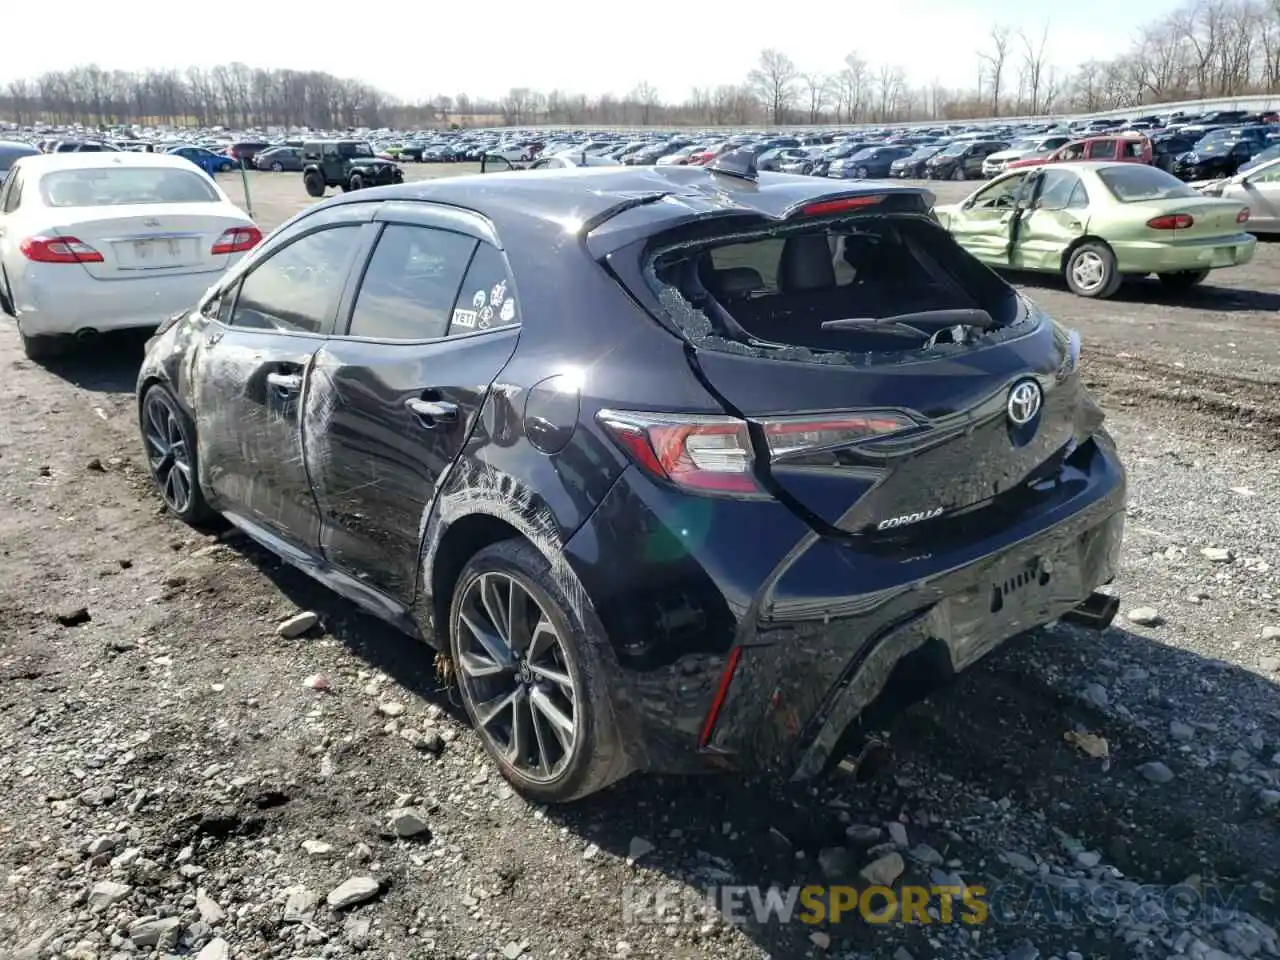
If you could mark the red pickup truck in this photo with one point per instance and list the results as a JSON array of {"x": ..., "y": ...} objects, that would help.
[{"x": 1125, "y": 147}]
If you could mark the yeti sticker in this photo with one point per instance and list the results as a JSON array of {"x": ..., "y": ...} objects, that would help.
[
  {"x": 465, "y": 318},
  {"x": 508, "y": 311},
  {"x": 498, "y": 294},
  {"x": 478, "y": 300},
  {"x": 486, "y": 317}
]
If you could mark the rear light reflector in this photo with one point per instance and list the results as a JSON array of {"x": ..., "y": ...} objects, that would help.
[
  {"x": 237, "y": 240},
  {"x": 715, "y": 455},
  {"x": 1171, "y": 221},
  {"x": 1243, "y": 215},
  {"x": 827, "y": 207},
  {"x": 58, "y": 249},
  {"x": 726, "y": 679}
]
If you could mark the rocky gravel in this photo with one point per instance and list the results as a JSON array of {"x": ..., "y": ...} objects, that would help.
[{"x": 203, "y": 754}]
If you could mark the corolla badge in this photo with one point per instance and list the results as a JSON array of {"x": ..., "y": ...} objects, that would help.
[{"x": 1024, "y": 402}]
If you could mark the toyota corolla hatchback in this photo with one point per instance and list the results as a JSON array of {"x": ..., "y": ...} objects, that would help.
[{"x": 674, "y": 466}]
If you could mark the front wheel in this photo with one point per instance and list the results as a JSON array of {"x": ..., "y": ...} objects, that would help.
[
  {"x": 277, "y": 166},
  {"x": 1090, "y": 271},
  {"x": 861, "y": 173},
  {"x": 169, "y": 438},
  {"x": 958, "y": 174},
  {"x": 532, "y": 676},
  {"x": 314, "y": 184},
  {"x": 1183, "y": 279},
  {"x": 356, "y": 182}
]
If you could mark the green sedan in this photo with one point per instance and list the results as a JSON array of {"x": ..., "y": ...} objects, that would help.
[{"x": 1098, "y": 223}]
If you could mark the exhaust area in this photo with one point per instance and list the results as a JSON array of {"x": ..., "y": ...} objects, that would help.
[{"x": 1096, "y": 612}]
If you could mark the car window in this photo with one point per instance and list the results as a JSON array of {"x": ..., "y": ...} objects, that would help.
[
  {"x": 1105, "y": 149},
  {"x": 297, "y": 287},
  {"x": 411, "y": 284},
  {"x": 762, "y": 256},
  {"x": 1134, "y": 182},
  {"x": 1266, "y": 176},
  {"x": 1133, "y": 148},
  {"x": 13, "y": 192},
  {"x": 1056, "y": 189},
  {"x": 487, "y": 299},
  {"x": 1002, "y": 194},
  {"x": 1079, "y": 198}
]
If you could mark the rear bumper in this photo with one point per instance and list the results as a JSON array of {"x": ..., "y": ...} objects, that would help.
[
  {"x": 818, "y": 624},
  {"x": 63, "y": 298},
  {"x": 1172, "y": 256}
]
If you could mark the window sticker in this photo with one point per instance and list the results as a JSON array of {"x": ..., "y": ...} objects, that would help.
[
  {"x": 486, "y": 318},
  {"x": 477, "y": 300},
  {"x": 498, "y": 294},
  {"x": 508, "y": 311},
  {"x": 465, "y": 318}
]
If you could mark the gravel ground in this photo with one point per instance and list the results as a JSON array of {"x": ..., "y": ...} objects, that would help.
[{"x": 180, "y": 779}]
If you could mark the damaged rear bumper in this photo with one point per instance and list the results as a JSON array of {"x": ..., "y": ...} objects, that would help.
[{"x": 808, "y": 675}]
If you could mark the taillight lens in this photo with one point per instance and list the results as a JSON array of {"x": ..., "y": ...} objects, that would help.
[
  {"x": 1171, "y": 221},
  {"x": 715, "y": 455},
  {"x": 1243, "y": 215},
  {"x": 58, "y": 249},
  {"x": 238, "y": 240}
]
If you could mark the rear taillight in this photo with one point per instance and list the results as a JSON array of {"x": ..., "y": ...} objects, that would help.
[
  {"x": 1171, "y": 221},
  {"x": 238, "y": 240},
  {"x": 715, "y": 455},
  {"x": 58, "y": 249},
  {"x": 1243, "y": 215}
]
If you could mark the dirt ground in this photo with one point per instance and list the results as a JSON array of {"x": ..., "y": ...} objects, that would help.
[{"x": 179, "y": 780}]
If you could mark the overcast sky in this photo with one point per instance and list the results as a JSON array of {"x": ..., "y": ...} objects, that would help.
[{"x": 484, "y": 48}]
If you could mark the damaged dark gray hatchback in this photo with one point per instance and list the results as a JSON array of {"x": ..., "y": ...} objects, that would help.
[{"x": 674, "y": 465}]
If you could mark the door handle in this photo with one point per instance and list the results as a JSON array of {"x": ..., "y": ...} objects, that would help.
[
  {"x": 1074, "y": 224},
  {"x": 441, "y": 411},
  {"x": 287, "y": 382}
]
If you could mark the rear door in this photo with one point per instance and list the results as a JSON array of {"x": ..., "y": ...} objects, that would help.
[
  {"x": 1057, "y": 216},
  {"x": 395, "y": 395},
  {"x": 253, "y": 370}
]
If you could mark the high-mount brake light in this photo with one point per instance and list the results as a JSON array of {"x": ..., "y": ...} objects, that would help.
[
  {"x": 58, "y": 249},
  {"x": 715, "y": 455},
  {"x": 826, "y": 207},
  {"x": 237, "y": 240},
  {"x": 1172, "y": 221}
]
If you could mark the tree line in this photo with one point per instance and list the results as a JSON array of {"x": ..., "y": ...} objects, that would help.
[{"x": 1204, "y": 49}]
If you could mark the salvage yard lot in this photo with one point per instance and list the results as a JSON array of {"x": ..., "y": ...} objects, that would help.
[{"x": 173, "y": 743}]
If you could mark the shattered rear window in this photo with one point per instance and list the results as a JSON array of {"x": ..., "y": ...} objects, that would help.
[{"x": 769, "y": 292}]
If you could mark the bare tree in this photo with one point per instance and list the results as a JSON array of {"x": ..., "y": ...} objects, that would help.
[
  {"x": 647, "y": 98},
  {"x": 851, "y": 89},
  {"x": 773, "y": 80},
  {"x": 1033, "y": 69},
  {"x": 818, "y": 87},
  {"x": 995, "y": 59}
]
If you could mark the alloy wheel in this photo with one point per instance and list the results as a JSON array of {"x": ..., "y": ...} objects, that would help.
[
  {"x": 1088, "y": 271},
  {"x": 514, "y": 672},
  {"x": 167, "y": 452}
]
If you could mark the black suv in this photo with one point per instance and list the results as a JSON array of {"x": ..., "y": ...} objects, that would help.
[{"x": 349, "y": 164}]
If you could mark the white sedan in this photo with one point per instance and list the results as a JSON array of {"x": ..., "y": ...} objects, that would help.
[{"x": 91, "y": 242}]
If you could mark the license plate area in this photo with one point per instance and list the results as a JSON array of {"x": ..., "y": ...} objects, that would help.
[{"x": 156, "y": 253}]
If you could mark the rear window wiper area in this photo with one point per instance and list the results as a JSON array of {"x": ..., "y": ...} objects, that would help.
[{"x": 963, "y": 317}]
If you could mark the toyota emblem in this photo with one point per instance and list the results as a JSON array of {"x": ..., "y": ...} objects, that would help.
[{"x": 1024, "y": 402}]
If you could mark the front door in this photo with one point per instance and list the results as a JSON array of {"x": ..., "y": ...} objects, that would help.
[
  {"x": 1261, "y": 191},
  {"x": 981, "y": 223},
  {"x": 251, "y": 378},
  {"x": 1058, "y": 215},
  {"x": 394, "y": 401}
]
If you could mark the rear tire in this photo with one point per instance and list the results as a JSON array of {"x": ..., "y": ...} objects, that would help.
[
  {"x": 314, "y": 184},
  {"x": 1183, "y": 279},
  {"x": 277, "y": 166},
  {"x": 1090, "y": 271},
  {"x": 547, "y": 651},
  {"x": 169, "y": 440}
]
